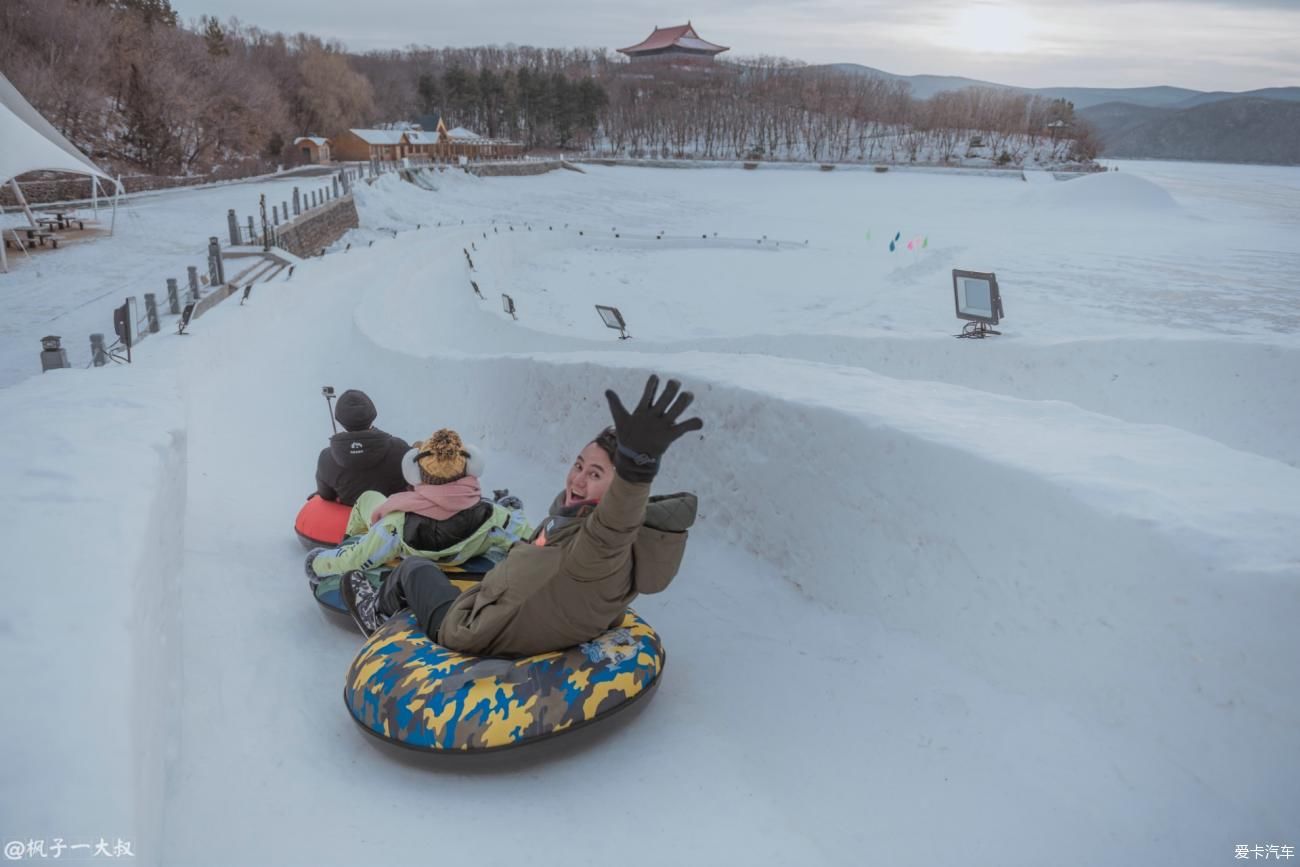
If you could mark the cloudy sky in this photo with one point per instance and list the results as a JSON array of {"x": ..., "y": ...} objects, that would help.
[{"x": 1201, "y": 44}]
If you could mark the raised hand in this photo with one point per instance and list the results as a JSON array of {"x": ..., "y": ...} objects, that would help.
[{"x": 645, "y": 433}]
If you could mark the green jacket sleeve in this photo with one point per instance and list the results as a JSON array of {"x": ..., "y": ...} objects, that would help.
[{"x": 605, "y": 541}]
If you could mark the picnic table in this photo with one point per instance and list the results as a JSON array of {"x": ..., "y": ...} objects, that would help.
[
  {"x": 62, "y": 219},
  {"x": 35, "y": 235}
]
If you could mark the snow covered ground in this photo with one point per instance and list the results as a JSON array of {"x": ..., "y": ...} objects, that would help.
[
  {"x": 71, "y": 292},
  {"x": 1020, "y": 600}
]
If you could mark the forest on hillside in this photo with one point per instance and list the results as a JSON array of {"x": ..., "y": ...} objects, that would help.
[{"x": 140, "y": 90}]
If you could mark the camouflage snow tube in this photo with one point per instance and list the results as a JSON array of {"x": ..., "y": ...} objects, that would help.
[{"x": 407, "y": 690}]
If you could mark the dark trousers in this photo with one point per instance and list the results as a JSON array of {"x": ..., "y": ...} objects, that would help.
[{"x": 418, "y": 584}]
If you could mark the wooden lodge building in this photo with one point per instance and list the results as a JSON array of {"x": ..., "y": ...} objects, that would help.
[
  {"x": 675, "y": 45},
  {"x": 440, "y": 145},
  {"x": 312, "y": 149}
]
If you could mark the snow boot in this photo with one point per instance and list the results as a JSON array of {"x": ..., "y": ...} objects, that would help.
[
  {"x": 312, "y": 578},
  {"x": 362, "y": 600},
  {"x": 503, "y": 498}
]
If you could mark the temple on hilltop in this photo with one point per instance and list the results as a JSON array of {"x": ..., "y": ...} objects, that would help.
[{"x": 675, "y": 45}]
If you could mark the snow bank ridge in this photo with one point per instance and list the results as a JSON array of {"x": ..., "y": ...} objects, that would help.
[{"x": 96, "y": 746}]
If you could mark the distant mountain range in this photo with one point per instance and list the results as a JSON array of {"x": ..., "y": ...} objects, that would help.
[
  {"x": 1241, "y": 129},
  {"x": 1256, "y": 126}
]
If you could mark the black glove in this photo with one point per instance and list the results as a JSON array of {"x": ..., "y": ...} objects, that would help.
[
  {"x": 646, "y": 433},
  {"x": 504, "y": 499}
]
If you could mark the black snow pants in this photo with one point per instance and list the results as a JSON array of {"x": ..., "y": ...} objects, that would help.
[{"x": 420, "y": 585}]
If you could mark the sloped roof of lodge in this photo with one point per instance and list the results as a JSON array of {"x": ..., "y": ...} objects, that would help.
[
  {"x": 682, "y": 36},
  {"x": 379, "y": 136}
]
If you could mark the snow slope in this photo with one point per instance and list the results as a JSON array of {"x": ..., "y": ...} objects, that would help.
[
  {"x": 1006, "y": 601},
  {"x": 157, "y": 235}
]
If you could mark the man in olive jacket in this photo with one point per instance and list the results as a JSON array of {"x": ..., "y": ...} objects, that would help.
[{"x": 575, "y": 579}]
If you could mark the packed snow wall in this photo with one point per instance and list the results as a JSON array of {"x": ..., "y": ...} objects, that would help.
[
  {"x": 95, "y": 746},
  {"x": 1034, "y": 542}
]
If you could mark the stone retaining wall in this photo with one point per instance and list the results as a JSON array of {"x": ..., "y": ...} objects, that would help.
[
  {"x": 71, "y": 188},
  {"x": 318, "y": 228},
  {"x": 527, "y": 167},
  {"x": 1063, "y": 171}
]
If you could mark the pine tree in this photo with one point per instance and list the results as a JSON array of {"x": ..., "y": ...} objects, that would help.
[
  {"x": 275, "y": 146},
  {"x": 151, "y": 12},
  {"x": 430, "y": 94},
  {"x": 215, "y": 37}
]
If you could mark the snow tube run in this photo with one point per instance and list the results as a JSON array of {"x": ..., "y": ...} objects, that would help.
[
  {"x": 321, "y": 523},
  {"x": 328, "y": 595},
  {"x": 404, "y": 689}
]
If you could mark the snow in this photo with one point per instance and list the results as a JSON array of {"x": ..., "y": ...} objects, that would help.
[
  {"x": 71, "y": 292},
  {"x": 1106, "y": 191},
  {"x": 379, "y": 136},
  {"x": 1043, "y": 585}
]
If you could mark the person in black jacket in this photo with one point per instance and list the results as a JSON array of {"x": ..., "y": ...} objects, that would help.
[{"x": 360, "y": 458}]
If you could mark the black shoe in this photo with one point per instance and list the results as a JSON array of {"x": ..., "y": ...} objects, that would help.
[
  {"x": 362, "y": 600},
  {"x": 312, "y": 578}
]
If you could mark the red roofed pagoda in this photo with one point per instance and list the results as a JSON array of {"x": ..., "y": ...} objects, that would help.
[{"x": 674, "y": 44}]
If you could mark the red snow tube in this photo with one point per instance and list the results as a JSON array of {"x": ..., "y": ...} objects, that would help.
[{"x": 321, "y": 523}]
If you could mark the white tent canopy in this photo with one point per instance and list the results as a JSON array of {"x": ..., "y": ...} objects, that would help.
[
  {"x": 26, "y": 150},
  {"x": 32, "y": 144}
]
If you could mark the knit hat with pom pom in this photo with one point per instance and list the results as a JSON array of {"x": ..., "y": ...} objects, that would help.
[{"x": 441, "y": 459}]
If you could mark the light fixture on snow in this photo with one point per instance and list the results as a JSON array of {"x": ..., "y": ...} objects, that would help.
[
  {"x": 124, "y": 320},
  {"x": 977, "y": 300},
  {"x": 613, "y": 319},
  {"x": 53, "y": 355},
  {"x": 508, "y": 304}
]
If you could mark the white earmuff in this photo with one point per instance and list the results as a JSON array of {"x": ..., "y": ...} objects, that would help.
[
  {"x": 411, "y": 468},
  {"x": 475, "y": 464}
]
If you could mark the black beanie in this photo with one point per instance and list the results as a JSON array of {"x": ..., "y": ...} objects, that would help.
[{"x": 354, "y": 410}]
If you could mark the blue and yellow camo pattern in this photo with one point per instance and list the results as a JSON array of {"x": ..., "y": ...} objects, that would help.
[{"x": 404, "y": 688}]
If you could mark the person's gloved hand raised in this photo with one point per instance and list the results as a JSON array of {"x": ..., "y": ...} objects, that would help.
[{"x": 646, "y": 432}]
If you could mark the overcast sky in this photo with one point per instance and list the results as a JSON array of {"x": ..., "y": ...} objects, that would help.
[{"x": 1201, "y": 44}]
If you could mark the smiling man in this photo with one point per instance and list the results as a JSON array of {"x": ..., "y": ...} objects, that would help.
[{"x": 605, "y": 541}]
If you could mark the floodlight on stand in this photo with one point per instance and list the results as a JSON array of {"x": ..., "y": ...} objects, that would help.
[
  {"x": 123, "y": 326},
  {"x": 613, "y": 319},
  {"x": 976, "y": 298},
  {"x": 508, "y": 304}
]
